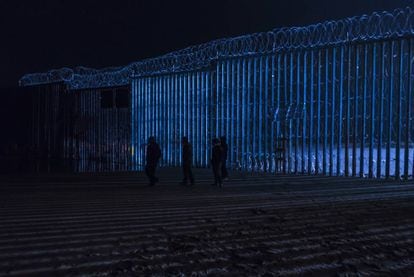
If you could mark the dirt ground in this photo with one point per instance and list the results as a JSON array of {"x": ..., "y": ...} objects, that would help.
[{"x": 256, "y": 225}]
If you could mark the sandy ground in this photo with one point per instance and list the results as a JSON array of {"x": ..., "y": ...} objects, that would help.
[{"x": 256, "y": 225}]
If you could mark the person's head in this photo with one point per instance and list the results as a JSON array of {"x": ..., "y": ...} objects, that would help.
[
  {"x": 223, "y": 139},
  {"x": 215, "y": 141},
  {"x": 184, "y": 140},
  {"x": 151, "y": 140}
]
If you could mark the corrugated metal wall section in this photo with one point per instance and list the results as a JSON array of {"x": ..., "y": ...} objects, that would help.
[
  {"x": 344, "y": 110},
  {"x": 78, "y": 131}
]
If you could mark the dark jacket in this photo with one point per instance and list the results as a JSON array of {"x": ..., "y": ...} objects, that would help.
[
  {"x": 216, "y": 154},
  {"x": 187, "y": 154},
  {"x": 153, "y": 154}
]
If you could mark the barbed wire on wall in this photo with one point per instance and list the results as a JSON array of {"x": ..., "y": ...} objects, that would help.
[{"x": 377, "y": 26}]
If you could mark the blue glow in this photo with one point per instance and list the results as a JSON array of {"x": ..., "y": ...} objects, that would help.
[{"x": 338, "y": 92}]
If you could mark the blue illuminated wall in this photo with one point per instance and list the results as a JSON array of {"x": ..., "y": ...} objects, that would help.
[
  {"x": 170, "y": 107},
  {"x": 333, "y": 98},
  {"x": 343, "y": 110}
]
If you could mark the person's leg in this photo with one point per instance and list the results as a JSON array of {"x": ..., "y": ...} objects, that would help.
[
  {"x": 147, "y": 171},
  {"x": 150, "y": 174},
  {"x": 224, "y": 170},
  {"x": 214, "y": 167},
  {"x": 185, "y": 175},
  {"x": 190, "y": 175},
  {"x": 156, "y": 180},
  {"x": 217, "y": 173},
  {"x": 219, "y": 177}
]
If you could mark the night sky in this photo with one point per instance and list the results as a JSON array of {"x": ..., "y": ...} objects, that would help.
[{"x": 44, "y": 34}]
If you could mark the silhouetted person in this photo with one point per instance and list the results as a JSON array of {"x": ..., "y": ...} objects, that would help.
[
  {"x": 152, "y": 158},
  {"x": 187, "y": 161},
  {"x": 216, "y": 160},
  {"x": 224, "y": 149}
]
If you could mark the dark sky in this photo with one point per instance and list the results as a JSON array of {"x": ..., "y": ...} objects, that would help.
[{"x": 38, "y": 35}]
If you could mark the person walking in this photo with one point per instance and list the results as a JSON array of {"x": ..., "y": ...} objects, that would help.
[
  {"x": 153, "y": 155},
  {"x": 216, "y": 160},
  {"x": 224, "y": 149},
  {"x": 187, "y": 161}
]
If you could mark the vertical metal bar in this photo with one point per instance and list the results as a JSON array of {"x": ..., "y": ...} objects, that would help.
[
  {"x": 348, "y": 111},
  {"x": 199, "y": 120},
  {"x": 195, "y": 121},
  {"x": 297, "y": 113},
  {"x": 151, "y": 107},
  {"x": 170, "y": 120},
  {"x": 193, "y": 115},
  {"x": 171, "y": 155},
  {"x": 201, "y": 113},
  {"x": 139, "y": 124},
  {"x": 227, "y": 105},
  {"x": 304, "y": 110},
  {"x": 318, "y": 113},
  {"x": 185, "y": 105},
  {"x": 232, "y": 118},
  {"x": 275, "y": 138},
  {"x": 155, "y": 97},
  {"x": 162, "y": 117},
  {"x": 171, "y": 128},
  {"x": 239, "y": 111},
  {"x": 142, "y": 121},
  {"x": 260, "y": 103},
  {"x": 381, "y": 111},
  {"x": 181, "y": 113},
  {"x": 285, "y": 119},
  {"x": 222, "y": 100},
  {"x": 340, "y": 119},
  {"x": 411, "y": 122},
  {"x": 390, "y": 117},
  {"x": 190, "y": 108},
  {"x": 173, "y": 120},
  {"x": 244, "y": 115},
  {"x": 311, "y": 113},
  {"x": 133, "y": 123},
  {"x": 249, "y": 149},
  {"x": 146, "y": 109},
  {"x": 399, "y": 113},
  {"x": 202, "y": 118},
  {"x": 166, "y": 118},
  {"x": 210, "y": 112},
  {"x": 373, "y": 97},
  {"x": 177, "y": 115},
  {"x": 155, "y": 107},
  {"x": 291, "y": 118},
  {"x": 254, "y": 114},
  {"x": 266, "y": 130},
  {"x": 166, "y": 161},
  {"x": 408, "y": 111},
  {"x": 206, "y": 116},
  {"x": 333, "y": 103},
  {"x": 325, "y": 137},
  {"x": 218, "y": 100},
  {"x": 174, "y": 116},
  {"x": 364, "y": 114},
  {"x": 355, "y": 127}
]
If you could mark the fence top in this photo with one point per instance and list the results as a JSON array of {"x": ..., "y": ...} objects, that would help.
[{"x": 377, "y": 26}]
